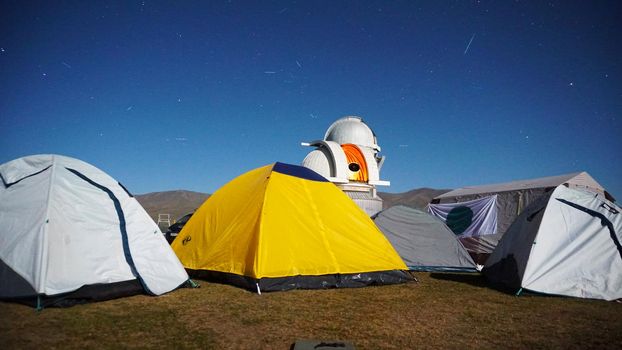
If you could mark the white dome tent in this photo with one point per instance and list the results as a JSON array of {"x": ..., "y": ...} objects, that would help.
[
  {"x": 70, "y": 233},
  {"x": 565, "y": 243}
]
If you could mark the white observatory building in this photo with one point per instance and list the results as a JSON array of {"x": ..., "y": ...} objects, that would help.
[{"x": 348, "y": 156}]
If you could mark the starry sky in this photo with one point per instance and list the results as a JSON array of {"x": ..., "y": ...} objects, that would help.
[{"x": 188, "y": 95}]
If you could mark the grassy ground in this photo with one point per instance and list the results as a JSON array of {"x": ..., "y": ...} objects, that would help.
[{"x": 440, "y": 311}]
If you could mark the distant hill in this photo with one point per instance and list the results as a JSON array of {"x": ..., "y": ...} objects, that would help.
[
  {"x": 417, "y": 198},
  {"x": 176, "y": 203},
  {"x": 179, "y": 203}
]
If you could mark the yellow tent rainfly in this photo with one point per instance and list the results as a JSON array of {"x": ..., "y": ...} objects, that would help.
[{"x": 283, "y": 227}]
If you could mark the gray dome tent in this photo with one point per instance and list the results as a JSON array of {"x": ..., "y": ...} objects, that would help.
[{"x": 423, "y": 241}]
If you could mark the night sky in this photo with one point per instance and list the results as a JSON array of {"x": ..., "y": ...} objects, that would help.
[{"x": 188, "y": 95}]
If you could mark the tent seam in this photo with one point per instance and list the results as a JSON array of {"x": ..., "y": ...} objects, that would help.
[
  {"x": 533, "y": 245},
  {"x": 322, "y": 229},
  {"x": 605, "y": 222},
  {"x": 122, "y": 226},
  {"x": 44, "y": 255},
  {"x": 256, "y": 268},
  {"x": 7, "y": 185}
]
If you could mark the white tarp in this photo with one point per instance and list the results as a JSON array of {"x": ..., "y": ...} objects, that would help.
[
  {"x": 466, "y": 219},
  {"x": 65, "y": 224}
]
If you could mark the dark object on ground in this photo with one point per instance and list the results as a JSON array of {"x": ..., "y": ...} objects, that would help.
[
  {"x": 174, "y": 229},
  {"x": 321, "y": 345}
]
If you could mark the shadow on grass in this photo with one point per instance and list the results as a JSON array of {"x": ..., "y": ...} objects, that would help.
[
  {"x": 478, "y": 280},
  {"x": 473, "y": 279}
]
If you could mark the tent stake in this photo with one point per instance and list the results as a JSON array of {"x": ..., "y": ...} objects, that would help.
[{"x": 193, "y": 284}]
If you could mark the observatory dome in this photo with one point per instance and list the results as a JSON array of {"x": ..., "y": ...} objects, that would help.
[
  {"x": 351, "y": 130},
  {"x": 318, "y": 161}
]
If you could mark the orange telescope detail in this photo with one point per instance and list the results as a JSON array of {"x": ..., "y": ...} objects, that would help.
[{"x": 356, "y": 163}]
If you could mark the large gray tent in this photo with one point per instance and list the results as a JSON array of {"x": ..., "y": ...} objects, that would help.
[
  {"x": 511, "y": 199},
  {"x": 565, "y": 243},
  {"x": 424, "y": 242}
]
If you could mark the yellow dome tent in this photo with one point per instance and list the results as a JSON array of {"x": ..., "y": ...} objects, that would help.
[{"x": 282, "y": 227}]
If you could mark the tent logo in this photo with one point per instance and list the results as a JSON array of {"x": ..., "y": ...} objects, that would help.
[
  {"x": 459, "y": 219},
  {"x": 186, "y": 240},
  {"x": 609, "y": 208}
]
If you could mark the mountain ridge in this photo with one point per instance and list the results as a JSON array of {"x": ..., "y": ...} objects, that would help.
[{"x": 178, "y": 203}]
